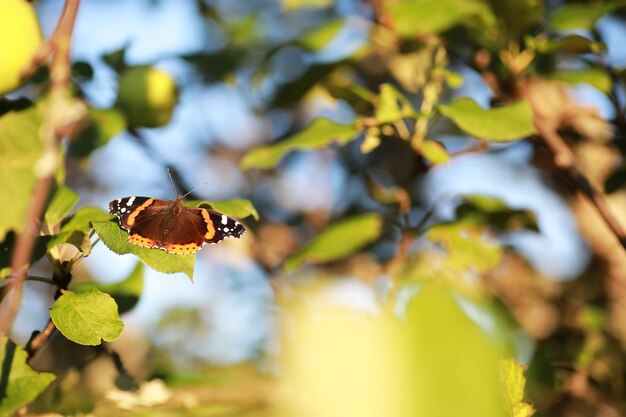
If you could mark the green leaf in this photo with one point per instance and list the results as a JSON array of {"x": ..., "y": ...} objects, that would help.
[
  {"x": 62, "y": 203},
  {"x": 514, "y": 382},
  {"x": 467, "y": 246},
  {"x": 579, "y": 16},
  {"x": 518, "y": 16},
  {"x": 483, "y": 210},
  {"x": 569, "y": 44},
  {"x": 20, "y": 149},
  {"x": 319, "y": 37},
  {"x": 319, "y": 134},
  {"x": 358, "y": 97},
  {"x": 103, "y": 125},
  {"x": 418, "y": 17},
  {"x": 116, "y": 239},
  {"x": 6, "y": 249},
  {"x": 77, "y": 238},
  {"x": 83, "y": 217},
  {"x": 87, "y": 318},
  {"x": 455, "y": 363},
  {"x": 126, "y": 293},
  {"x": 392, "y": 105},
  {"x": 434, "y": 152},
  {"x": 502, "y": 124},
  {"x": 339, "y": 240},
  {"x": 595, "y": 77},
  {"x": 19, "y": 383},
  {"x": 291, "y": 5},
  {"x": 239, "y": 207},
  {"x": 371, "y": 140}
]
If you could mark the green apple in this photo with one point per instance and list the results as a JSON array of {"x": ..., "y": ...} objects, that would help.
[
  {"x": 147, "y": 96},
  {"x": 20, "y": 38}
]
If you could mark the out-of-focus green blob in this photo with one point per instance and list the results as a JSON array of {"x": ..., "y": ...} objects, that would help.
[{"x": 455, "y": 364}]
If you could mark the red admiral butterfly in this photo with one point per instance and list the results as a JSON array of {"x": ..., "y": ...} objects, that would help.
[{"x": 169, "y": 226}]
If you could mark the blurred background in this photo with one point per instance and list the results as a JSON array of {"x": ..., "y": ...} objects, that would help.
[{"x": 537, "y": 275}]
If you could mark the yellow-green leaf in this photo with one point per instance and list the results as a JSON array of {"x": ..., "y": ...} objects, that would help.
[
  {"x": 20, "y": 149},
  {"x": 116, "y": 239},
  {"x": 514, "y": 382},
  {"x": 87, "y": 318},
  {"x": 595, "y": 77},
  {"x": 501, "y": 124},
  {"x": 339, "y": 240},
  {"x": 319, "y": 134},
  {"x": 239, "y": 207},
  {"x": 455, "y": 361},
  {"x": 435, "y": 152},
  {"x": 416, "y": 17},
  {"x": 63, "y": 201},
  {"x": 20, "y": 383},
  {"x": 580, "y": 16}
]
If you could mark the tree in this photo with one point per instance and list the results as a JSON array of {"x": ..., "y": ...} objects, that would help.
[{"x": 392, "y": 292}]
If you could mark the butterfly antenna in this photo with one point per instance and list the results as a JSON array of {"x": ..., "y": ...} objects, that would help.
[
  {"x": 199, "y": 186},
  {"x": 169, "y": 173}
]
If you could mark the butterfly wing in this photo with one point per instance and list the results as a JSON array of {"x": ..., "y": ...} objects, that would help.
[{"x": 129, "y": 209}]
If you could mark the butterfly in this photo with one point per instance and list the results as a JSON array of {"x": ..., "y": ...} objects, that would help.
[{"x": 170, "y": 226}]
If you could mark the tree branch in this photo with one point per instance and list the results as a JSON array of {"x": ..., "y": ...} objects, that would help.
[
  {"x": 564, "y": 159},
  {"x": 58, "y": 117}
]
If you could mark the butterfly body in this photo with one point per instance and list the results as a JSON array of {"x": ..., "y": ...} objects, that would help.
[{"x": 170, "y": 226}]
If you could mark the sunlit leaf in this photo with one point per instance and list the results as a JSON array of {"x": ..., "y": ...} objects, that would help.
[
  {"x": 62, "y": 203},
  {"x": 580, "y": 16},
  {"x": 19, "y": 383},
  {"x": 416, "y": 17},
  {"x": 116, "y": 239},
  {"x": 239, "y": 207},
  {"x": 291, "y": 5},
  {"x": 319, "y": 37},
  {"x": 392, "y": 105},
  {"x": 77, "y": 238},
  {"x": 338, "y": 362},
  {"x": 87, "y": 318},
  {"x": 450, "y": 351},
  {"x": 501, "y": 124},
  {"x": 434, "y": 152},
  {"x": 319, "y": 134},
  {"x": 126, "y": 293},
  {"x": 83, "y": 217},
  {"x": 483, "y": 210},
  {"x": 371, "y": 140},
  {"x": 595, "y": 77},
  {"x": 514, "y": 383},
  {"x": 339, "y": 240},
  {"x": 568, "y": 44},
  {"x": 467, "y": 246},
  {"x": 20, "y": 149}
]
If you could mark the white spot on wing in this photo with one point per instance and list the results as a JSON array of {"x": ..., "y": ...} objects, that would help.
[
  {"x": 123, "y": 210},
  {"x": 224, "y": 219},
  {"x": 130, "y": 201},
  {"x": 226, "y": 229}
]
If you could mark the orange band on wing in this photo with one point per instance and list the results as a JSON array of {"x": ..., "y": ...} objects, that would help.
[
  {"x": 133, "y": 216},
  {"x": 182, "y": 249},
  {"x": 209, "y": 225},
  {"x": 142, "y": 241}
]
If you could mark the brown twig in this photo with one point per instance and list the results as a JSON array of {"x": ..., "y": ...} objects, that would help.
[
  {"x": 564, "y": 159},
  {"x": 57, "y": 118},
  {"x": 39, "y": 339}
]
